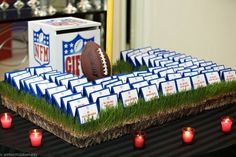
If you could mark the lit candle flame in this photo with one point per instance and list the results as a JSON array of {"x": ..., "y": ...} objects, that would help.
[
  {"x": 140, "y": 137},
  {"x": 35, "y": 132},
  {"x": 226, "y": 120},
  {"x": 187, "y": 133},
  {"x": 5, "y": 116}
]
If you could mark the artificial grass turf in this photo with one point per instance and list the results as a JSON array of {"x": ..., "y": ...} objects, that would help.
[
  {"x": 121, "y": 67},
  {"x": 114, "y": 117}
]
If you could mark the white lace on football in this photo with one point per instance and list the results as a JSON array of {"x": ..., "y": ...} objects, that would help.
[{"x": 104, "y": 62}]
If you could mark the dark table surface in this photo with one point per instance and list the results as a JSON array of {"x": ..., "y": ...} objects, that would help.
[{"x": 161, "y": 141}]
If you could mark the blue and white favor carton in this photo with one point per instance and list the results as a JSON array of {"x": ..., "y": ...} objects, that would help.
[{"x": 59, "y": 42}]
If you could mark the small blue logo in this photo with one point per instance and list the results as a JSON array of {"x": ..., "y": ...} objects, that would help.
[
  {"x": 72, "y": 51},
  {"x": 41, "y": 47}
]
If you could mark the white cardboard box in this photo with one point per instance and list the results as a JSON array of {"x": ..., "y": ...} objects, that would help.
[{"x": 59, "y": 42}]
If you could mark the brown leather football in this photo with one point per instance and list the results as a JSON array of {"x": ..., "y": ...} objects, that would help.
[{"x": 95, "y": 62}]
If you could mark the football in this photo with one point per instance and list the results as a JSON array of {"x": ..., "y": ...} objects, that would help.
[{"x": 95, "y": 62}]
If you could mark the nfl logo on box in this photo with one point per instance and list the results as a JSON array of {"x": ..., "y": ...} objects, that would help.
[
  {"x": 59, "y": 42},
  {"x": 41, "y": 47},
  {"x": 72, "y": 52}
]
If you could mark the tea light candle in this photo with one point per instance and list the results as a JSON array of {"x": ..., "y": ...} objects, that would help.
[
  {"x": 188, "y": 134},
  {"x": 6, "y": 120},
  {"x": 139, "y": 140},
  {"x": 35, "y": 137},
  {"x": 226, "y": 124}
]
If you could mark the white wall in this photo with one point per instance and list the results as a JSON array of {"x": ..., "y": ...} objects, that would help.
[
  {"x": 201, "y": 28},
  {"x": 119, "y": 29}
]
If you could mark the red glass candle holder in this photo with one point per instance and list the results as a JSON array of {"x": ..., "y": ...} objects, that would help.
[
  {"x": 226, "y": 124},
  {"x": 35, "y": 136},
  {"x": 139, "y": 139},
  {"x": 188, "y": 134},
  {"x": 6, "y": 120}
]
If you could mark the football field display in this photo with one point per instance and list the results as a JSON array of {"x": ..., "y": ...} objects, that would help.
[{"x": 172, "y": 85}]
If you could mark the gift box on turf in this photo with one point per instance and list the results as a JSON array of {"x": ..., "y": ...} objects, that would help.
[{"x": 59, "y": 42}]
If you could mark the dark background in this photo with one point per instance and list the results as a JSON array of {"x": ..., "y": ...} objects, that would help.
[{"x": 161, "y": 141}]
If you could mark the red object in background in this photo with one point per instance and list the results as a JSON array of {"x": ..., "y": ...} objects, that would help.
[
  {"x": 35, "y": 137},
  {"x": 6, "y": 120},
  {"x": 5, "y": 33},
  {"x": 139, "y": 140},
  {"x": 226, "y": 124},
  {"x": 188, "y": 134}
]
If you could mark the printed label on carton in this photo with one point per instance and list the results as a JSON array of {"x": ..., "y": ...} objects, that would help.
[
  {"x": 129, "y": 97},
  {"x": 132, "y": 80},
  {"x": 43, "y": 86},
  {"x": 108, "y": 82},
  {"x": 213, "y": 77},
  {"x": 109, "y": 86},
  {"x": 123, "y": 78},
  {"x": 156, "y": 71},
  {"x": 57, "y": 97},
  {"x": 186, "y": 64},
  {"x": 74, "y": 104},
  {"x": 53, "y": 90},
  {"x": 100, "y": 93},
  {"x": 229, "y": 75},
  {"x": 136, "y": 73},
  {"x": 66, "y": 99},
  {"x": 173, "y": 76},
  {"x": 107, "y": 101},
  {"x": 80, "y": 88},
  {"x": 165, "y": 72},
  {"x": 93, "y": 88},
  {"x": 184, "y": 84},
  {"x": 149, "y": 92},
  {"x": 199, "y": 81},
  {"x": 76, "y": 82},
  {"x": 145, "y": 74},
  {"x": 120, "y": 88},
  {"x": 87, "y": 113},
  {"x": 65, "y": 82},
  {"x": 98, "y": 81},
  {"x": 168, "y": 88},
  {"x": 157, "y": 81},
  {"x": 138, "y": 85},
  {"x": 219, "y": 67},
  {"x": 151, "y": 77}
]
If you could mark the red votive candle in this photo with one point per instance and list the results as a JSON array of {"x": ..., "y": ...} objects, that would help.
[
  {"x": 35, "y": 136},
  {"x": 139, "y": 139},
  {"x": 188, "y": 134},
  {"x": 226, "y": 124},
  {"x": 6, "y": 120}
]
